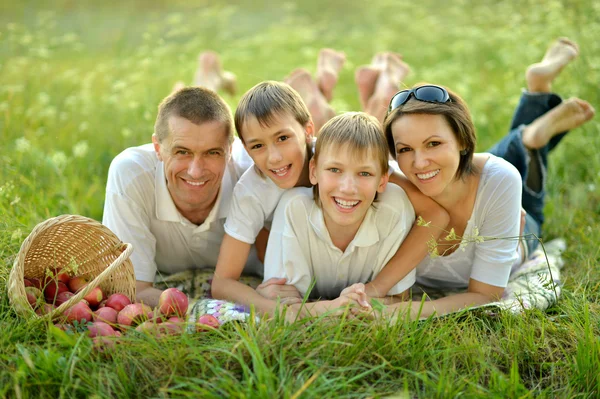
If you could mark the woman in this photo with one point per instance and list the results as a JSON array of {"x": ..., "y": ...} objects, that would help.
[{"x": 431, "y": 134}]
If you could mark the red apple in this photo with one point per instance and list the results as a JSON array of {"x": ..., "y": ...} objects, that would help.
[
  {"x": 94, "y": 297},
  {"x": 34, "y": 296},
  {"x": 104, "y": 343},
  {"x": 99, "y": 328},
  {"x": 117, "y": 302},
  {"x": 37, "y": 283},
  {"x": 207, "y": 322},
  {"x": 44, "y": 309},
  {"x": 63, "y": 297},
  {"x": 173, "y": 302},
  {"x": 76, "y": 283},
  {"x": 56, "y": 274},
  {"x": 106, "y": 314},
  {"x": 80, "y": 312},
  {"x": 133, "y": 314},
  {"x": 53, "y": 288},
  {"x": 148, "y": 327},
  {"x": 28, "y": 282}
]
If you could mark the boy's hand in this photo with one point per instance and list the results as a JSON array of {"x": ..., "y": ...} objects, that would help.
[
  {"x": 275, "y": 288},
  {"x": 357, "y": 294}
]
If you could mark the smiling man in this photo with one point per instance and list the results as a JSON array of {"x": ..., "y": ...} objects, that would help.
[{"x": 170, "y": 198}]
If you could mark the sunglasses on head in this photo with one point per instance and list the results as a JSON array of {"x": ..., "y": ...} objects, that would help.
[{"x": 427, "y": 93}]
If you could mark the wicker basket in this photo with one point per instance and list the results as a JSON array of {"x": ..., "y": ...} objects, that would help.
[{"x": 62, "y": 241}]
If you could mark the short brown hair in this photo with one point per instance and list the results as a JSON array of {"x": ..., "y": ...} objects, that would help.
[
  {"x": 456, "y": 114},
  {"x": 358, "y": 133},
  {"x": 196, "y": 104},
  {"x": 267, "y": 99}
]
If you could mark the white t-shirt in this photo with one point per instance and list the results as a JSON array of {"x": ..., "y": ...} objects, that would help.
[
  {"x": 496, "y": 213},
  {"x": 139, "y": 210},
  {"x": 300, "y": 248},
  {"x": 254, "y": 201}
]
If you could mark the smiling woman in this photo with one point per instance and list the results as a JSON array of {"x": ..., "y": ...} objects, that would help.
[{"x": 429, "y": 131}]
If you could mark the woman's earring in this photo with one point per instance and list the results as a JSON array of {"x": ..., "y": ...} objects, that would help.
[{"x": 463, "y": 152}]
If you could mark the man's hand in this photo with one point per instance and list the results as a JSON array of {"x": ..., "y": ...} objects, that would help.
[{"x": 275, "y": 288}]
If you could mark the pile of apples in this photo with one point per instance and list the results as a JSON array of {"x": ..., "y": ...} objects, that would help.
[{"x": 105, "y": 317}]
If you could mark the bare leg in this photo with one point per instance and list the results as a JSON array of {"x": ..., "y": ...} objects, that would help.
[
  {"x": 303, "y": 83},
  {"x": 392, "y": 71},
  {"x": 540, "y": 75},
  {"x": 329, "y": 65},
  {"x": 566, "y": 116},
  {"x": 211, "y": 75}
]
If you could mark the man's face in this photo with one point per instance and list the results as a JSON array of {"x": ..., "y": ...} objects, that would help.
[{"x": 195, "y": 157}]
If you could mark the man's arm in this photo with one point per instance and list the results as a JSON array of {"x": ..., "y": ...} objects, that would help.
[{"x": 414, "y": 247}]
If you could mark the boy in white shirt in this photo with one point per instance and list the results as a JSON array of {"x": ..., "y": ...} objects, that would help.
[{"x": 345, "y": 229}]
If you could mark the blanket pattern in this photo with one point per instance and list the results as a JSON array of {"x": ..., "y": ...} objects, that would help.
[{"x": 535, "y": 284}]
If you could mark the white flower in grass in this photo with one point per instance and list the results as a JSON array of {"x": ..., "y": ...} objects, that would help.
[
  {"x": 80, "y": 149},
  {"x": 23, "y": 145},
  {"x": 43, "y": 98},
  {"x": 59, "y": 159},
  {"x": 16, "y": 235},
  {"x": 15, "y": 201}
]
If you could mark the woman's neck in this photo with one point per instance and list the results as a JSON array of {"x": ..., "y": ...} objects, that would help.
[{"x": 458, "y": 193}]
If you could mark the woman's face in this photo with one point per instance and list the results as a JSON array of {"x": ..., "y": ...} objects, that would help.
[{"x": 427, "y": 151}]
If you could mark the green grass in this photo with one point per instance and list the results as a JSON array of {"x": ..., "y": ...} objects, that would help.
[{"x": 80, "y": 81}]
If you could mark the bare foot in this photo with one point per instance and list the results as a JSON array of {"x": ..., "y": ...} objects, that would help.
[
  {"x": 540, "y": 75},
  {"x": 329, "y": 65},
  {"x": 210, "y": 74},
  {"x": 566, "y": 116},
  {"x": 303, "y": 83},
  {"x": 365, "y": 78},
  {"x": 392, "y": 72}
]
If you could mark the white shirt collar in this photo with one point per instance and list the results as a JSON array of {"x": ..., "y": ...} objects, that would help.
[
  {"x": 366, "y": 235},
  {"x": 167, "y": 211}
]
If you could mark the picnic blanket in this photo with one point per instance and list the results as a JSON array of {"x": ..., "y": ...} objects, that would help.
[{"x": 534, "y": 284}]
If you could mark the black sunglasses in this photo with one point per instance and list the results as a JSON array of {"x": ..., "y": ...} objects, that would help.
[{"x": 427, "y": 93}]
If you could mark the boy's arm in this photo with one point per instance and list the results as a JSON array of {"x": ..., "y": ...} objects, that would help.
[
  {"x": 226, "y": 285},
  {"x": 414, "y": 247}
]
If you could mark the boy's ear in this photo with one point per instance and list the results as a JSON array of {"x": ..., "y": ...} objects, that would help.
[
  {"x": 156, "y": 146},
  {"x": 383, "y": 182},
  {"x": 312, "y": 171},
  {"x": 309, "y": 128}
]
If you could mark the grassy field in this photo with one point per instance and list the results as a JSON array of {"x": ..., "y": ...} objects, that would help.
[{"x": 81, "y": 80}]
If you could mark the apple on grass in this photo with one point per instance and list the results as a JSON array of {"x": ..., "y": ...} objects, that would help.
[
  {"x": 80, "y": 312},
  {"x": 134, "y": 314},
  {"x": 207, "y": 322},
  {"x": 173, "y": 302},
  {"x": 99, "y": 328},
  {"x": 107, "y": 315}
]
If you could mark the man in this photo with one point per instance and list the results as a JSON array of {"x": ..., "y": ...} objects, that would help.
[{"x": 170, "y": 198}]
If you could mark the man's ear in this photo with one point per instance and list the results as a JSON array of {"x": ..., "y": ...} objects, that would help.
[
  {"x": 157, "y": 146},
  {"x": 309, "y": 128},
  {"x": 383, "y": 183},
  {"x": 312, "y": 171}
]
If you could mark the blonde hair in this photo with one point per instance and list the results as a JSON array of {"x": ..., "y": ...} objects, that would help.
[{"x": 359, "y": 133}]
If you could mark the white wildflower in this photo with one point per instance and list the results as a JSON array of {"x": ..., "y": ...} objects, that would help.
[
  {"x": 23, "y": 145},
  {"x": 16, "y": 235},
  {"x": 59, "y": 159},
  {"x": 80, "y": 149}
]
